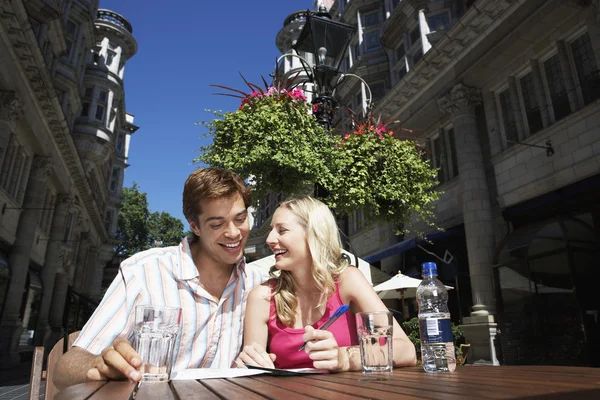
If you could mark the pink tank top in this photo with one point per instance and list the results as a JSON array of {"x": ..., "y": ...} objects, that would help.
[{"x": 284, "y": 342}]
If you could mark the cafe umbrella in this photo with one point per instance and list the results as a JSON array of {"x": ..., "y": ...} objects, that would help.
[{"x": 399, "y": 286}]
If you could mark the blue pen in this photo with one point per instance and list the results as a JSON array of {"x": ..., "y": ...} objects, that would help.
[{"x": 338, "y": 313}]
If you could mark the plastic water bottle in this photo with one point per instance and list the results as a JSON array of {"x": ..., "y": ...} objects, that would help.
[{"x": 437, "y": 344}]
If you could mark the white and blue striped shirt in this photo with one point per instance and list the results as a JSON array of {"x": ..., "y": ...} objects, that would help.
[{"x": 211, "y": 332}]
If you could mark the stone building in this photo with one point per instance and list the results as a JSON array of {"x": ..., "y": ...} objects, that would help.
[
  {"x": 64, "y": 141},
  {"x": 505, "y": 95}
]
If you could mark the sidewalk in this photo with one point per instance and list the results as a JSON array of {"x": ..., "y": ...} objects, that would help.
[{"x": 14, "y": 383}]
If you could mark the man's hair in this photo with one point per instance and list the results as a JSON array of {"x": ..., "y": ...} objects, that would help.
[{"x": 211, "y": 183}]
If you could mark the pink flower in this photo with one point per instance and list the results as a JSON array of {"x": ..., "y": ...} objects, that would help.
[{"x": 315, "y": 108}]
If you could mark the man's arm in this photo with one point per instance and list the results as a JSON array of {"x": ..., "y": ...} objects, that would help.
[
  {"x": 117, "y": 362},
  {"x": 72, "y": 367}
]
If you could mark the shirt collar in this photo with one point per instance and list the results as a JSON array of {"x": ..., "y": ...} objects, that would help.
[{"x": 187, "y": 269}]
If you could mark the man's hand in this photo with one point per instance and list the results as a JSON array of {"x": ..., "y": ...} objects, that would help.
[
  {"x": 322, "y": 348},
  {"x": 255, "y": 354},
  {"x": 116, "y": 362}
]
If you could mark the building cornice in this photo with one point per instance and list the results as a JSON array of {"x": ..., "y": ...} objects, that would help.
[
  {"x": 16, "y": 24},
  {"x": 438, "y": 62}
]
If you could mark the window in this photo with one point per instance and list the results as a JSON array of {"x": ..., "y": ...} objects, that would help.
[
  {"x": 439, "y": 22},
  {"x": 87, "y": 99},
  {"x": 415, "y": 35},
  {"x": 508, "y": 117},
  {"x": 68, "y": 227},
  {"x": 114, "y": 179},
  {"x": 13, "y": 175},
  {"x": 417, "y": 56},
  {"x": 557, "y": 88},
  {"x": 110, "y": 56},
  {"x": 533, "y": 114},
  {"x": 358, "y": 220},
  {"x": 444, "y": 155},
  {"x": 371, "y": 19},
  {"x": 370, "y": 22},
  {"x": 378, "y": 90},
  {"x": 101, "y": 106},
  {"x": 586, "y": 67},
  {"x": 120, "y": 143},
  {"x": 71, "y": 37},
  {"x": 400, "y": 52},
  {"x": 395, "y": 3},
  {"x": 372, "y": 41},
  {"x": 356, "y": 51}
]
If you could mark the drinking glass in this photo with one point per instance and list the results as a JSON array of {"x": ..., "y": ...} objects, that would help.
[
  {"x": 156, "y": 329},
  {"x": 375, "y": 332}
]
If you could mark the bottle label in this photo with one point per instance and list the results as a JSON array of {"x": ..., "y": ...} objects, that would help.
[{"x": 435, "y": 330}]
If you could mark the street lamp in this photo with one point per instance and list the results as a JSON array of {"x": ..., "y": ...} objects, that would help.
[{"x": 327, "y": 40}]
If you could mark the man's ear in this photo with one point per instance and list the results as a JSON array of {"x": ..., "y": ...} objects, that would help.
[{"x": 194, "y": 228}]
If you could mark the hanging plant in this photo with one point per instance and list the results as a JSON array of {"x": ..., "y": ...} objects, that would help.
[
  {"x": 274, "y": 141},
  {"x": 389, "y": 178}
]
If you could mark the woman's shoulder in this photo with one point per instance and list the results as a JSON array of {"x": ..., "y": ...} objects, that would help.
[
  {"x": 352, "y": 280},
  {"x": 263, "y": 291}
]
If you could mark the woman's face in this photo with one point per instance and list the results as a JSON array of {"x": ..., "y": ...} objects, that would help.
[{"x": 287, "y": 241}]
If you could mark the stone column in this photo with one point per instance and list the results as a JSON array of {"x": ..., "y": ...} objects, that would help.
[
  {"x": 57, "y": 307},
  {"x": 91, "y": 269},
  {"x": 479, "y": 328},
  {"x": 64, "y": 203},
  {"x": 80, "y": 263},
  {"x": 11, "y": 324}
]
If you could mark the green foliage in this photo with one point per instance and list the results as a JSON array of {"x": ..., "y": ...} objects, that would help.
[
  {"x": 411, "y": 328},
  {"x": 386, "y": 177},
  {"x": 274, "y": 141},
  {"x": 138, "y": 229},
  {"x": 278, "y": 143}
]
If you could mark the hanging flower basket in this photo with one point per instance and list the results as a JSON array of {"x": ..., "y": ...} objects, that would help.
[{"x": 274, "y": 141}]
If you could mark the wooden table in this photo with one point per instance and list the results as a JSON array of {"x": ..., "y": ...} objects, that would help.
[{"x": 482, "y": 382}]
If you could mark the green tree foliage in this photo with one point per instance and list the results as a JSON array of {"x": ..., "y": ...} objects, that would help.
[{"x": 138, "y": 229}]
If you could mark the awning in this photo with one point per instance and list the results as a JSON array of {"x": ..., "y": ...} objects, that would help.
[{"x": 410, "y": 244}]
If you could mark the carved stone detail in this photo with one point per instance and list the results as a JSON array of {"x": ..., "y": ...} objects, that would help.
[
  {"x": 460, "y": 99},
  {"x": 41, "y": 166},
  {"x": 11, "y": 107},
  {"x": 65, "y": 200}
]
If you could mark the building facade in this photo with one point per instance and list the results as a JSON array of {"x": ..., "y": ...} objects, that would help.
[
  {"x": 506, "y": 97},
  {"x": 64, "y": 141}
]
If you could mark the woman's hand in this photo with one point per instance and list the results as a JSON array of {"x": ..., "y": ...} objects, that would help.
[
  {"x": 322, "y": 348},
  {"x": 255, "y": 354}
]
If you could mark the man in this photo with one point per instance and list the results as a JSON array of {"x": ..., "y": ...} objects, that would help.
[{"x": 206, "y": 276}]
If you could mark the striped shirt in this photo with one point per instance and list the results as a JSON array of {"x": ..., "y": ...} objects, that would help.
[{"x": 211, "y": 331}]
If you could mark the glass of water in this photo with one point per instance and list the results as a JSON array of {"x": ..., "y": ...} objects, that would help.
[
  {"x": 375, "y": 332},
  {"x": 156, "y": 329}
]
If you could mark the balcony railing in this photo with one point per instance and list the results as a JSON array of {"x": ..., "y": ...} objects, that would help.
[{"x": 114, "y": 18}]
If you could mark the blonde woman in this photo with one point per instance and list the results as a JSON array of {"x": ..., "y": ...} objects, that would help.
[{"x": 313, "y": 282}]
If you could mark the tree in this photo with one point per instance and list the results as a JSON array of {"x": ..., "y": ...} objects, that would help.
[{"x": 138, "y": 229}]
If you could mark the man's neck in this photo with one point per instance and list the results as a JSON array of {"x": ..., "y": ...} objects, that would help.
[{"x": 207, "y": 267}]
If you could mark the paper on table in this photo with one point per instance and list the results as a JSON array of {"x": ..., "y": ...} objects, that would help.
[
  {"x": 213, "y": 373},
  {"x": 289, "y": 372}
]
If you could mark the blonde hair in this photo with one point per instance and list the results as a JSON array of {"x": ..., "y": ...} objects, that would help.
[{"x": 325, "y": 248}]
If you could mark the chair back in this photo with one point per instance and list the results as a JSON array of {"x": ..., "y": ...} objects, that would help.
[{"x": 38, "y": 375}]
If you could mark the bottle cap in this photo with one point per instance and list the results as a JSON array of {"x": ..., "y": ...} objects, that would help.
[{"x": 429, "y": 268}]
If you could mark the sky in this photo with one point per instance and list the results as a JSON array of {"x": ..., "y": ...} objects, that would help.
[{"x": 183, "y": 47}]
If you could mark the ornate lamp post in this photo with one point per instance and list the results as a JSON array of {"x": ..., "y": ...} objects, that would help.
[{"x": 327, "y": 40}]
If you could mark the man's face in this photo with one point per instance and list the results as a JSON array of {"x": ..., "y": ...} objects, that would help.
[{"x": 222, "y": 229}]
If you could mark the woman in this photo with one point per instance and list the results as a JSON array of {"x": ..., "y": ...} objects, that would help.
[{"x": 287, "y": 311}]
